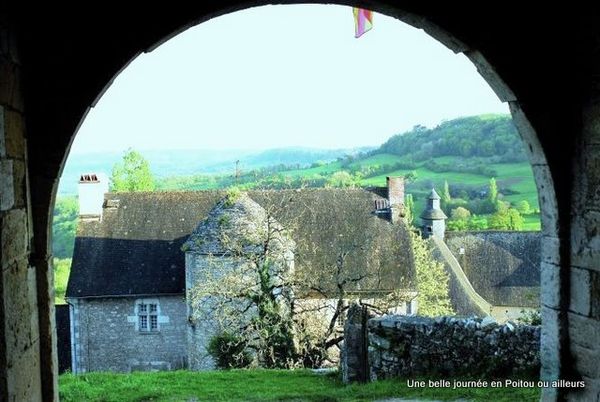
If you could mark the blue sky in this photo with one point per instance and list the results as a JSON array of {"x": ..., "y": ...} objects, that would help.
[{"x": 277, "y": 76}]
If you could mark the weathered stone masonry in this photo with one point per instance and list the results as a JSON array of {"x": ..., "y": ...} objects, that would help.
[
  {"x": 107, "y": 337},
  {"x": 400, "y": 346},
  {"x": 20, "y": 374},
  {"x": 410, "y": 347}
]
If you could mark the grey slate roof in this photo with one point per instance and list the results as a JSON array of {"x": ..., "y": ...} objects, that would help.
[
  {"x": 503, "y": 267},
  {"x": 430, "y": 213},
  {"x": 433, "y": 195},
  {"x": 137, "y": 247}
]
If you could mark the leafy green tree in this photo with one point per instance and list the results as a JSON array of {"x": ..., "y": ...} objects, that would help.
[
  {"x": 493, "y": 191},
  {"x": 458, "y": 225},
  {"x": 64, "y": 226},
  {"x": 432, "y": 280},
  {"x": 523, "y": 207},
  {"x": 411, "y": 177},
  {"x": 341, "y": 179},
  {"x": 477, "y": 223},
  {"x": 506, "y": 219},
  {"x": 445, "y": 198},
  {"x": 409, "y": 212},
  {"x": 132, "y": 173},
  {"x": 460, "y": 213}
]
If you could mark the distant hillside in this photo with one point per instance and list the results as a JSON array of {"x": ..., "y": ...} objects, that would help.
[
  {"x": 486, "y": 136},
  {"x": 182, "y": 162}
]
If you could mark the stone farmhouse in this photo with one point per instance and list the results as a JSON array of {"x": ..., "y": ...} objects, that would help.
[{"x": 138, "y": 255}]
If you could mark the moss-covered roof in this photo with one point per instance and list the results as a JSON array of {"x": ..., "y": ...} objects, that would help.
[
  {"x": 237, "y": 224},
  {"x": 502, "y": 266},
  {"x": 137, "y": 247},
  {"x": 433, "y": 214}
]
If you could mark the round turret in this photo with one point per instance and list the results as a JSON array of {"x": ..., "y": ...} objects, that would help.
[
  {"x": 433, "y": 218},
  {"x": 238, "y": 225}
]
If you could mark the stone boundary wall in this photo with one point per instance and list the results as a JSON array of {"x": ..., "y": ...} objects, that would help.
[
  {"x": 407, "y": 346},
  {"x": 403, "y": 346}
]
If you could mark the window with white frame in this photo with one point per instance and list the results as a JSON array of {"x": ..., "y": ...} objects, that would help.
[{"x": 147, "y": 313}]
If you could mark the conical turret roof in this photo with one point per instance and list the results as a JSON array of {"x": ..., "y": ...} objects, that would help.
[
  {"x": 433, "y": 195},
  {"x": 237, "y": 225},
  {"x": 432, "y": 212}
]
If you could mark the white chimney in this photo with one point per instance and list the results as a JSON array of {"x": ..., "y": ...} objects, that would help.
[{"x": 92, "y": 187}]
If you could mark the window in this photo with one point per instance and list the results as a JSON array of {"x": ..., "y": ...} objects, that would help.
[{"x": 147, "y": 317}]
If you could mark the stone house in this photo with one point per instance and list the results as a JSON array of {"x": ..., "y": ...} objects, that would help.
[{"x": 137, "y": 257}]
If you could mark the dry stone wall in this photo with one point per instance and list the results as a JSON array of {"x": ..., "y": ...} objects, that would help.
[{"x": 401, "y": 346}]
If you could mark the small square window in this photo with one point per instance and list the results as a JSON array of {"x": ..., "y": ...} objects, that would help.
[
  {"x": 153, "y": 308},
  {"x": 142, "y": 308}
]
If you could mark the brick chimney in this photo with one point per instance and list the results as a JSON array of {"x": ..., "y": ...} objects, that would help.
[
  {"x": 395, "y": 190},
  {"x": 91, "y": 188}
]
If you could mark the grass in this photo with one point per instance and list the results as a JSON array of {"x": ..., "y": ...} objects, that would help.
[
  {"x": 325, "y": 169},
  {"x": 260, "y": 385},
  {"x": 378, "y": 159},
  {"x": 532, "y": 222},
  {"x": 62, "y": 267}
]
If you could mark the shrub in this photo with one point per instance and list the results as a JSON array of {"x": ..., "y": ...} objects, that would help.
[
  {"x": 509, "y": 219},
  {"x": 458, "y": 225},
  {"x": 460, "y": 213},
  {"x": 523, "y": 207},
  {"x": 233, "y": 194},
  {"x": 229, "y": 351},
  {"x": 530, "y": 317}
]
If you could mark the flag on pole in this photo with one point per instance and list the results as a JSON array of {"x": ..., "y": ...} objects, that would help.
[{"x": 363, "y": 21}]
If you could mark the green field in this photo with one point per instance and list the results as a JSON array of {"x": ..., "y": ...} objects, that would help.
[
  {"x": 325, "y": 169},
  {"x": 261, "y": 385},
  {"x": 62, "y": 267}
]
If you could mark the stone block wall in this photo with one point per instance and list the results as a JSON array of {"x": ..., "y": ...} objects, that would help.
[
  {"x": 354, "y": 363},
  {"x": 401, "y": 346},
  {"x": 579, "y": 287},
  {"x": 409, "y": 346},
  {"x": 200, "y": 331},
  {"x": 106, "y": 337},
  {"x": 20, "y": 371}
]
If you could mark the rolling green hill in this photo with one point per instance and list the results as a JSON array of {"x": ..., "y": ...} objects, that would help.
[{"x": 466, "y": 152}]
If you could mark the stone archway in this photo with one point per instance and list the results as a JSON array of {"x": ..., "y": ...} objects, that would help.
[{"x": 53, "y": 68}]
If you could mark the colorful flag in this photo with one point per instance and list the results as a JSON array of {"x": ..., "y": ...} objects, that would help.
[{"x": 363, "y": 21}]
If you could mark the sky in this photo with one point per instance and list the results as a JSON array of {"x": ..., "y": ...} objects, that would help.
[{"x": 279, "y": 76}]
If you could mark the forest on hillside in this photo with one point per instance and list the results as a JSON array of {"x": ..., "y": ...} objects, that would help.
[{"x": 493, "y": 137}]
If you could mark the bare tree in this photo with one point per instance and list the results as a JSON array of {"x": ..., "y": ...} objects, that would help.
[{"x": 286, "y": 316}]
